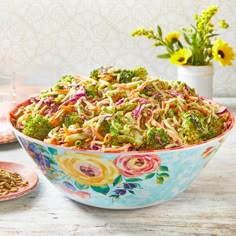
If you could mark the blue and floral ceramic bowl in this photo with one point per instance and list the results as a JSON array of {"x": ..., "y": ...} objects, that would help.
[{"x": 123, "y": 180}]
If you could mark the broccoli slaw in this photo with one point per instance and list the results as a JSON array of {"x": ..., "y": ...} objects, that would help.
[{"x": 117, "y": 110}]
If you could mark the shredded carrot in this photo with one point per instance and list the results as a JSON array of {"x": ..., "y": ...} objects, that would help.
[
  {"x": 192, "y": 98},
  {"x": 67, "y": 132},
  {"x": 124, "y": 148},
  {"x": 13, "y": 115},
  {"x": 123, "y": 86},
  {"x": 54, "y": 121},
  {"x": 138, "y": 89},
  {"x": 68, "y": 108},
  {"x": 127, "y": 113},
  {"x": 62, "y": 91},
  {"x": 43, "y": 109},
  {"x": 99, "y": 136},
  {"x": 107, "y": 138}
]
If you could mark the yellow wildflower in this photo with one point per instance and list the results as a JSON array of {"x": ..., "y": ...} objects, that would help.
[
  {"x": 145, "y": 32},
  {"x": 172, "y": 37},
  {"x": 223, "y": 24},
  {"x": 181, "y": 56},
  {"x": 193, "y": 42},
  {"x": 203, "y": 21},
  {"x": 223, "y": 53}
]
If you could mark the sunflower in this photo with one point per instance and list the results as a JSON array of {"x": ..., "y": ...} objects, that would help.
[
  {"x": 181, "y": 56},
  {"x": 223, "y": 53},
  {"x": 172, "y": 37}
]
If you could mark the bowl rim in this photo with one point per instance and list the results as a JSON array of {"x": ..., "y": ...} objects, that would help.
[{"x": 182, "y": 147}]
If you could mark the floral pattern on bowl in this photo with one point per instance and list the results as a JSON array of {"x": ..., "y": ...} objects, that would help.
[{"x": 120, "y": 180}]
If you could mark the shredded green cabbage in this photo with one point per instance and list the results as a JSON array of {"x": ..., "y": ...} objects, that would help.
[{"x": 123, "y": 110}]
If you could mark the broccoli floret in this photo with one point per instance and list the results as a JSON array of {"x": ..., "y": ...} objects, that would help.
[
  {"x": 71, "y": 119},
  {"x": 59, "y": 98},
  {"x": 37, "y": 127},
  {"x": 94, "y": 74},
  {"x": 61, "y": 84},
  {"x": 115, "y": 127},
  {"x": 104, "y": 128},
  {"x": 192, "y": 127},
  {"x": 215, "y": 127},
  {"x": 217, "y": 124},
  {"x": 117, "y": 122},
  {"x": 197, "y": 129},
  {"x": 210, "y": 134},
  {"x": 123, "y": 76},
  {"x": 118, "y": 138},
  {"x": 121, "y": 139},
  {"x": 145, "y": 92},
  {"x": 156, "y": 138},
  {"x": 91, "y": 90},
  {"x": 66, "y": 78},
  {"x": 113, "y": 131},
  {"x": 114, "y": 134},
  {"x": 126, "y": 76},
  {"x": 149, "y": 91},
  {"x": 140, "y": 72}
]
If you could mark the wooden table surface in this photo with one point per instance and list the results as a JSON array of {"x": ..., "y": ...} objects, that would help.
[{"x": 207, "y": 207}]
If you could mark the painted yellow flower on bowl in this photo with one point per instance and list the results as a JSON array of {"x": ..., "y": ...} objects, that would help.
[{"x": 89, "y": 169}]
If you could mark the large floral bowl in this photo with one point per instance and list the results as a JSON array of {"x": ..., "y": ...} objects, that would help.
[{"x": 122, "y": 180}]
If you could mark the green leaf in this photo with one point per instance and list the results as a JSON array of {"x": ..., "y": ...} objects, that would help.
[
  {"x": 179, "y": 44},
  {"x": 157, "y": 44},
  {"x": 114, "y": 197},
  {"x": 47, "y": 156},
  {"x": 101, "y": 189},
  {"x": 170, "y": 47},
  {"x": 212, "y": 35},
  {"x": 149, "y": 176},
  {"x": 159, "y": 31},
  {"x": 164, "y": 56},
  {"x": 51, "y": 160},
  {"x": 81, "y": 186},
  {"x": 163, "y": 168},
  {"x": 187, "y": 39},
  {"x": 160, "y": 180},
  {"x": 138, "y": 186},
  {"x": 53, "y": 151},
  {"x": 133, "y": 179},
  {"x": 131, "y": 191},
  {"x": 117, "y": 180},
  {"x": 164, "y": 175}
]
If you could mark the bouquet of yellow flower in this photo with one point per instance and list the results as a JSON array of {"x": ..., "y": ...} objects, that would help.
[{"x": 201, "y": 44}]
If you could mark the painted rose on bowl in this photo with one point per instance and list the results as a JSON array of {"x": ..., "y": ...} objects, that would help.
[
  {"x": 88, "y": 169},
  {"x": 137, "y": 165}
]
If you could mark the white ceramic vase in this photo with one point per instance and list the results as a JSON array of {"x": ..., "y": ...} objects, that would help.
[{"x": 198, "y": 77}]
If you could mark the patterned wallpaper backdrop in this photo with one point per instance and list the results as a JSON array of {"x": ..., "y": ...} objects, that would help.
[{"x": 42, "y": 40}]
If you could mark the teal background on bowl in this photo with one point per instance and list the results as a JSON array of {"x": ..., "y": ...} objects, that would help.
[{"x": 180, "y": 167}]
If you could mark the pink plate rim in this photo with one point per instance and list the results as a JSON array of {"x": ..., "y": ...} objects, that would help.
[
  {"x": 7, "y": 136},
  {"x": 26, "y": 173}
]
